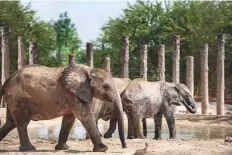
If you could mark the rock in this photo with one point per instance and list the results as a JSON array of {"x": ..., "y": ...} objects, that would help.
[
  {"x": 228, "y": 113},
  {"x": 228, "y": 139},
  {"x": 144, "y": 151}
]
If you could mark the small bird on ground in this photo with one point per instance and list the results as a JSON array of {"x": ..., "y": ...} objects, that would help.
[
  {"x": 228, "y": 139},
  {"x": 144, "y": 151}
]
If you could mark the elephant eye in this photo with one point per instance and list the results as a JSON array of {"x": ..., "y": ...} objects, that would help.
[{"x": 106, "y": 87}]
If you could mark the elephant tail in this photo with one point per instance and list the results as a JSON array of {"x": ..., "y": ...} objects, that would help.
[{"x": 2, "y": 90}]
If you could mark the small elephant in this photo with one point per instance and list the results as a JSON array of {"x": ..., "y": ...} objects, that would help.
[
  {"x": 143, "y": 99},
  {"x": 37, "y": 92},
  {"x": 107, "y": 110}
]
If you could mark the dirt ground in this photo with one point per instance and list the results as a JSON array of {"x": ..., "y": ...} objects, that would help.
[
  {"x": 164, "y": 147},
  {"x": 9, "y": 146}
]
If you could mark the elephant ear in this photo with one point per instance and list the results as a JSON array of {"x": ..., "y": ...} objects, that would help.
[
  {"x": 76, "y": 80},
  {"x": 169, "y": 90},
  {"x": 182, "y": 89}
]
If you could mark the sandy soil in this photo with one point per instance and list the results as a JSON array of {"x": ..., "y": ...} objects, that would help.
[
  {"x": 9, "y": 146},
  {"x": 164, "y": 147}
]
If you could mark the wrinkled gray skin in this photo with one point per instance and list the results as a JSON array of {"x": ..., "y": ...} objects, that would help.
[
  {"x": 41, "y": 93},
  {"x": 143, "y": 99},
  {"x": 107, "y": 110}
]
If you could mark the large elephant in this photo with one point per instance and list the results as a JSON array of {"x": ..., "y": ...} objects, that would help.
[
  {"x": 143, "y": 99},
  {"x": 37, "y": 92}
]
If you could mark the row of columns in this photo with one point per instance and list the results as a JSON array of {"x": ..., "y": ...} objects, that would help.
[
  {"x": 189, "y": 69},
  {"x": 143, "y": 66}
]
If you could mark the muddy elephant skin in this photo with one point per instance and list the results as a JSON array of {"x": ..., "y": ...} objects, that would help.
[
  {"x": 143, "y": 99},
  {"x": 37, "y": 92},
  {"x": 105, "y": 109}
]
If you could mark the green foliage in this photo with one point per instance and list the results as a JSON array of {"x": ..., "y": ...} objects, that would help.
[
  {"x": 23, "y": 22},
  {"x": 55, "y": 39},
  {"x": 67, "y": 40},
  {"x": 151, "y": 23}
]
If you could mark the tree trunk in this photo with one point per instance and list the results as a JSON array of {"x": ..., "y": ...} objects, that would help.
[
  {"x": 161, "y": 62},
  {"x": 72, "y": 58},
  {"x": 89, "y": 54},
  {"x": 5, "y": 58},
  {"x": 220, "y": 74},
  {"x": 143, "y": 62},
  {"x": 190, "y": 74},
  {"x": 204, "y": 80},
  {"x": 125, "y": 57},
  {"x": 32, "y": 53},
  {"x": 107, "y": 63},
  {"x": 176, "y": 63},
  {"x": 21, "y": 51}
]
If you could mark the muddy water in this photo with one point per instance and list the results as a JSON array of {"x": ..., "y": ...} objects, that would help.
[{"x": 183, "y": 132}]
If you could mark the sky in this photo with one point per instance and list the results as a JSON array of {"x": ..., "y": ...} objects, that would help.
[{"x": 88, "y": 16}]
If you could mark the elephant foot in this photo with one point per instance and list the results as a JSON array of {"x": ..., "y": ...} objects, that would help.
[
  {"x": 87, "y": 137},
  {"x": 107, "y": 135},
  {"x": 130, "y": 137},
  {"x": 61, "y": 147},
  {"x": 27, "y": 148},
  {"x": 157, "y": 138},
  {"x": 173, "y": 139},
  {"x": 141, "y": 137},
  {"x": 100, "y": 148}
]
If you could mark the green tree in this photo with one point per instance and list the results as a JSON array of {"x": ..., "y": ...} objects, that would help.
[
  {"x": 22, "y": 22},
  {"x": 150, "y": 23},
  {"x": 142, "y": 22},
  {"x": 67, "y": 40}
]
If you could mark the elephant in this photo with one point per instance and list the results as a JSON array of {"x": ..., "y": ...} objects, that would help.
[
  {"x": 144, "y": 99},
  {"x": 105, "y": 109},
  {"x": 36, "y": 92}
]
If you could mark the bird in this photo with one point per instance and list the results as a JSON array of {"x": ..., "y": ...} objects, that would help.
[{"x": 144, "y": 151}]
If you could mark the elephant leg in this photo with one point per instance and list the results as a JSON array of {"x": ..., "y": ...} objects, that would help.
[
  {"x": 67, "y": 124},
  {"x": 144, "y": 127},
  {"x": 137, "y": 122},
  {"x": 158, "y": 125},
  {"x": 84, "y": 114},
  {"x": 130, "y": 134},
  {"x": 7, "y": 127},
  {"x": 21, "y": 119},
  {"x": 87, "y": 134},
  {"x": 112, "y": 128},
  {"x": 171, "y": 124}
]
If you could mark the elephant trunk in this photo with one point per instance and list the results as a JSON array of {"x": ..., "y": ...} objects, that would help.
[
  {"x": 120, "y": 118},
  {"x": 190, "y": 104}
]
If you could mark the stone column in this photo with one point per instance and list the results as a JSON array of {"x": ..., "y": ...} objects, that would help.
[
  {"x": 32, "y": 53},
  {"x": 176, "y": 64},
  {"x": 190, "y": 74},
  {"x": 21, "y": 52},
  {"x": 161, "y": 62},
  {"x": 5, "y": 58},
  {"x": 143, "y": 62},
  {"x": 220, "y": 73},
  {"x": 72, "y": 59},
  {"x": 107, "y": 63},
  {"x": 125, "y": 57},
  {"x": 204, "y": 79},
  {"x": 89, "y": 54}
]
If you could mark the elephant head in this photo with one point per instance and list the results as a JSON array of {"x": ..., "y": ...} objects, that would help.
[
  {"x": 177, "y": 93},
  {"x": 86, "y": 82}
]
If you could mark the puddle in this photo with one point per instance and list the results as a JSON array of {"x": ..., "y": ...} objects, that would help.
[{"x": 182, "y": 132}]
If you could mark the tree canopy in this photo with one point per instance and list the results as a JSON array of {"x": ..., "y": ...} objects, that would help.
[
  {"x": 145, "y": 22},
  {"x": 51, "y": 36},
  {"x": 154, "y": 23}
]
